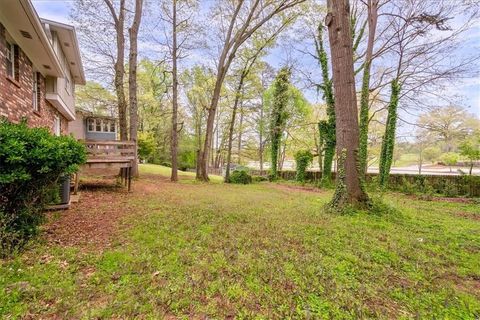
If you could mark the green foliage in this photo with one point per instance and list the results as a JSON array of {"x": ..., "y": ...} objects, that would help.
[
  {"x": 326, "y": 127},
  {"x": 408, "y": 187},
  {"x": 279, "y": 116},
  {"x": 388, "y": 142},
  {"x": 303, "y": 159},
  {"x": 450, "y": 189},
  {"x": 450, "y": 159},
  {"x": 32, "y": 160},
  {"x": 430, "y": 154},
  {"x": 470, "y": 149},
  {"x": 240, "y": 177},
  {"x": 187, "y": 160},
  {"x": 338, "y": 200},
  {"x": 364, "y": 120},
  {"x": 146, "y": 145},
  {"x": 259, "y": 179}
]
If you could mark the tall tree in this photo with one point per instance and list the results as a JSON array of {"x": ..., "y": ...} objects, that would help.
[
  {"x": 132, "y": 77},
  {"x": 249, "y": 58},
  {"x": 326, "y": 127},
  {"x": 174, "y": 141},
  {"x": 179, "y": 37},
  {"x": 423, "y": 48},
  {"x": 448, "y": 125},
  {"x": 246, "y": 17},
  {"x": 279, "y": 116},
  {"x": 349, "y": 188},
  {"x": 119, "y": 23},
  {"x": 372, "y": 17}
]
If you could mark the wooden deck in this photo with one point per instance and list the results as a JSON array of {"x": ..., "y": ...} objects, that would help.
[{"x": 110, "y": 154}]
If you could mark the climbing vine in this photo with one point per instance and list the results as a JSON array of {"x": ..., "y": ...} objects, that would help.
[
  {"x": 326, "y": 127},
  {"x": 363, "y": 146},
  {"x": 340, "y": 195},
  {"x": 279, "y": 116},
  {"x": 388, "y": 142},
  {"x": 303, "y": 159}
]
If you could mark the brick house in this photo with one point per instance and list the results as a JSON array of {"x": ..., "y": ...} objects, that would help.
[{"x": 40, "y": 65}]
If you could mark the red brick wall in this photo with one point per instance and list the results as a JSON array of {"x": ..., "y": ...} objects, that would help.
[{"x": 16, "y": 97}]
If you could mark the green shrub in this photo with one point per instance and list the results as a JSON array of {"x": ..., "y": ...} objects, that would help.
[
  {"x": 303, "y": 159},
  {"x": 427, "y": 191},
  {"x": 146, "y": 145},
  {"x": 31, "y": 162},
  {"x": 408, "y": 187},
  {"x": 240, "y": 177},
  {"x": 450, "y": 189},
  {"x": 259, "y": 178}
]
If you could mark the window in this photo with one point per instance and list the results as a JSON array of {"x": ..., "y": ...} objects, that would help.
[
  {"x": 100, "y": 125},
  {"x": 11, "y": 58},
  {"x": 91, "y": 124},
  {"x": 56, "y": 126},
  {"x": 12, "y": 61},
  {"x": 36, "y": 91}
]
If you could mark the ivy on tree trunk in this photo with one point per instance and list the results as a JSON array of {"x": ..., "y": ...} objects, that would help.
[
  {"x": 349, "y": 187},
  {"x": 365, "y": 92},
  {"x": 388, "y": 142},
  {"x": 279, "y": 116},
  {"x": 326, "y": 127}
]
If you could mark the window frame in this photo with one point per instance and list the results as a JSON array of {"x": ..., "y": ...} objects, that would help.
[
  {"x": 109, "y": 124},
  {"x": 10, "y": 59},
  {"x": 36, "y": 92}
]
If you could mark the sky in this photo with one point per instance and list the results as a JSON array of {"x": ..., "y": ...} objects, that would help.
[{"x": 468, "y": 90}]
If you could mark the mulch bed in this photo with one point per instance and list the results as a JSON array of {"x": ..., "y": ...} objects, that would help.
[{"x": 92, "y": 221}]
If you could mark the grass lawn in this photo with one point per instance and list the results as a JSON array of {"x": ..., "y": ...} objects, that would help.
[{"x": 196, "y": 250}]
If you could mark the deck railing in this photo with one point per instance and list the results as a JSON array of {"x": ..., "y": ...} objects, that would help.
[
  {"x": 110, "y": 154},
  {"x": 106, "y": 151}
]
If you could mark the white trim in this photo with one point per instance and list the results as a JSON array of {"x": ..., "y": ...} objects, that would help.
[
  {"x": 57, "y": 129},
  {"x": 60, "y": 105}
]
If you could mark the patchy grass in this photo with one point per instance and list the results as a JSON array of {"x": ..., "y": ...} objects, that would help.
[
  {"x": 166, "y": 171},
  {"x": 406, "y": 159},
  {"x": 196, "y": 250}
]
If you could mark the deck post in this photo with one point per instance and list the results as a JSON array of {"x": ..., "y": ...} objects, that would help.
[
  {"x": 129, "y": 178},
  {"x": 75, "y": 187}
]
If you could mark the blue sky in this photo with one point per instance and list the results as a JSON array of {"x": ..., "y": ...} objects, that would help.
[{"x": 468, "y": 90}]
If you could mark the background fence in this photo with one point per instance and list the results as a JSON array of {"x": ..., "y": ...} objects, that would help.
[{"x": 445, "y": 184}]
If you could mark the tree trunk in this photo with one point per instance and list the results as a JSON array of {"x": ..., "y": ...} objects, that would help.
[
  {"x": 388, "y": 142},
  {"x": 132, "y": 79},
  {"x": 326, "y": 127},
  {"x": 365, "y": 93},
  {"x": 260, "y": 138},
  {"x": 319, "y": 142},
  {"x": 240, "y": 130},
  {"x": 280, "y": 100},
  {"x": 174, "y": 133},
  {"x": 349, "y": 187},
  {"x": 120, "y": 69},
  {"x": 232, "y": 126},
  {"x": 209, "y": 132}
]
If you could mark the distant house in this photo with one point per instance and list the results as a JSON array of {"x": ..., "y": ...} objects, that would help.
[
  {"x": 91, "y": 126},
  {"x": 40, "y": 66}
]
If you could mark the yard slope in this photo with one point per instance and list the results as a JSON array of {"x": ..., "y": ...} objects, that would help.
[{"x": 214, "y": 250}]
